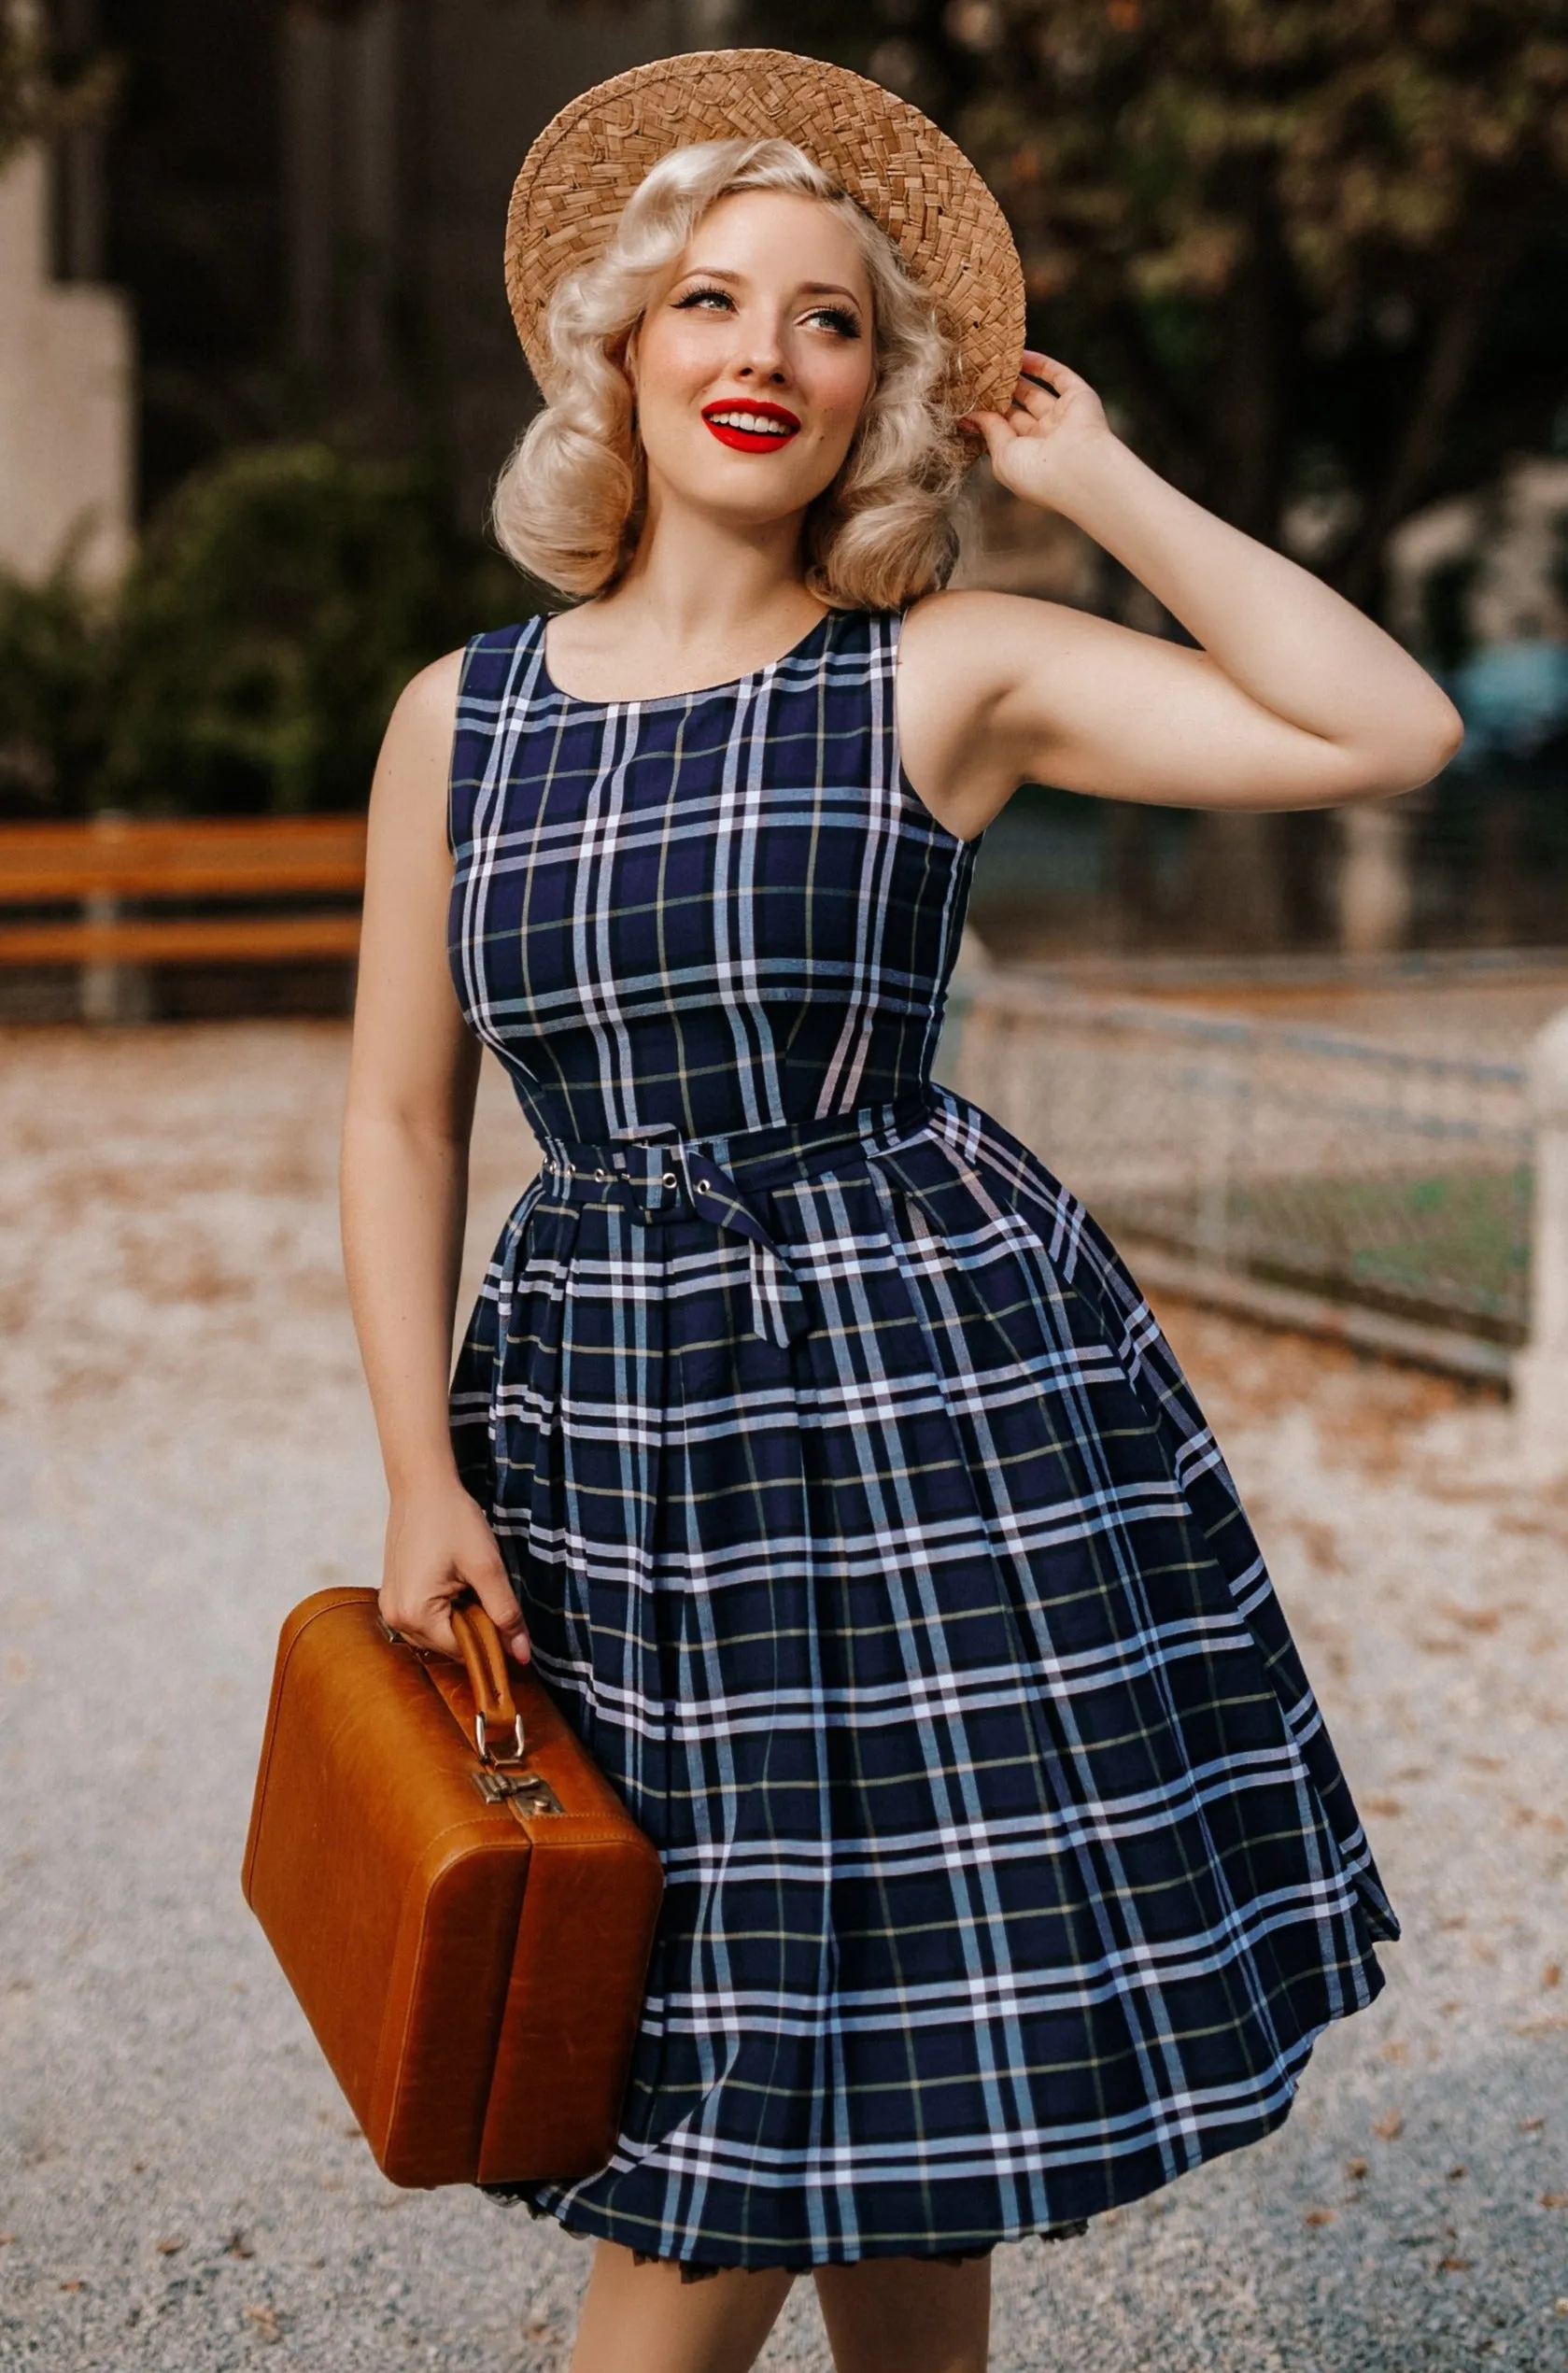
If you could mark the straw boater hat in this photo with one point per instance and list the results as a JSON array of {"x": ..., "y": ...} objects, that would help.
[{"x": 907, "y": 174}]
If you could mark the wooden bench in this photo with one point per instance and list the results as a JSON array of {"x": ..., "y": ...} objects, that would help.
[{"x": 99, "y": 865}]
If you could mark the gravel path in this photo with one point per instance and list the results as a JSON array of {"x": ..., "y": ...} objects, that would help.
[{"x": 185, "y": 1449}]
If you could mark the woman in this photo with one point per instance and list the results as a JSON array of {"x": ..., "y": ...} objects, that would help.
[{"x": 806, "y": 1433}]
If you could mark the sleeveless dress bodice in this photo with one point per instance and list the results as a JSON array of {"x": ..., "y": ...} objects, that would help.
[
  {"x": 704, "y": 913},
  {"x": 866, "y": 1529}
]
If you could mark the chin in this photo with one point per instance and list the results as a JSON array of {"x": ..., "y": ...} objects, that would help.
[{"x": 747, "y": 491}]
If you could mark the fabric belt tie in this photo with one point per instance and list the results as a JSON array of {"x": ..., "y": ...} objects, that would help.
[{"x": 657, "y": 1177}]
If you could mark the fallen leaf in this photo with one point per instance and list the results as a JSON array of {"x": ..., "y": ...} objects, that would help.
[
  {"x": 1532, "y": 2125},
  {"x": 1455, "y": 2173},
  {"x": 1387, "y": 1808},
  {"x": 265, "y": 2320},
  {"x": 1560, "y": 2306},
  {"x": 1551, "y": 1975},
  {"x": 5, "y": 2237},
  {"x": 1453, "y": 2266},
  {"x": 237, "y": 2246},
  {"x": 1446, "y": 2009},
  {"x": 78, "y": 2285},
  {"x": 1355, "y": 2169},
  {"x": 1396, "y": 2052},
  {"x": 1554, "y": 2199},
  {"x": 169, "y": 2244},
  {"x": 1390, "y": 2128},
  {"x": 1319, "y": 2216}
]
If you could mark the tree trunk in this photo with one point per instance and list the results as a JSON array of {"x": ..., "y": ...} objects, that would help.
[
  {"x": 1243, "y": 898},
  {"x": 1250, "y": 449},
  {"x": 1449, "y": 357}
]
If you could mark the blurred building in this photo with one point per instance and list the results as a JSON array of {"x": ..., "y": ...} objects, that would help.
[
  {"x": 1489, "y": 565},
  {"x": 402, "y": 126},
  {"x": 300, "y": 209},
  {"x": 66, "y": 362}
]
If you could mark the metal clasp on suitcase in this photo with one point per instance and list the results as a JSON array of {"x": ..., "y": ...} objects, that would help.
[
  {"x": 496, "y": 1781},
  {"x": 498, "y": 1777}
]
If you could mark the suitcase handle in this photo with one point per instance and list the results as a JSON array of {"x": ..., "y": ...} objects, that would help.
[{"x": 485, "y": 1663}]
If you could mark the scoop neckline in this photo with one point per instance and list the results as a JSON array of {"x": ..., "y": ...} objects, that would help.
[{"x": 667, "y": 700}]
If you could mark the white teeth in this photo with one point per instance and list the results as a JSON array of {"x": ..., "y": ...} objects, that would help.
[{"x": 754, "y": 422}]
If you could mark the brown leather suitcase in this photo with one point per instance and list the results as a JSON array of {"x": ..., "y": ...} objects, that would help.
[{"x": 458, "y": 1896}]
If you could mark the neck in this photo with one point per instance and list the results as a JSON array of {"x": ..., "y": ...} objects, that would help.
[{"x": 696, "y": 582}]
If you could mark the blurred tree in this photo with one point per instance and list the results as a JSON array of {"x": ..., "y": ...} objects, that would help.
[
  {"x": 1281, "y": 236},
  {"x": 281, "y": 600},
  {"x": 1277, "y": 232},
  {"x": 55, "y": 668},
  {"x": 250, "y": 660}
]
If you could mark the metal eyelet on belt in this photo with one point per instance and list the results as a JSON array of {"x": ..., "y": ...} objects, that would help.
[
  {"x": 602, "y": 1176},
  {"x": 668, "y": 1178},
  {"x": 703, "y": 1188}
]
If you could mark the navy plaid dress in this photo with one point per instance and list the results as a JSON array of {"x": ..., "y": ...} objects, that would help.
[{"x": 866, "y": 1527}]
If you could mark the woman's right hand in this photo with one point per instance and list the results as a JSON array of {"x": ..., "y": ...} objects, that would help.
[{"x": 438, "y": 1547}]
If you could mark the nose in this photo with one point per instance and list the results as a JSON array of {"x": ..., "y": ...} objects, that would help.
[{"x": 761, "y": 358}]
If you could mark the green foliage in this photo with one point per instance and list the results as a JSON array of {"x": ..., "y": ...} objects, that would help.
[
  {"x": 249, "y": 662},
  {"x": 1260, "y": 225},
  {"x": 1160, "y": 143},
  {"x": 55, "y": 664}
]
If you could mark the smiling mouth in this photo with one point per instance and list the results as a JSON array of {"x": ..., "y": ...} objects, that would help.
[{"x": 751, "y": 428}]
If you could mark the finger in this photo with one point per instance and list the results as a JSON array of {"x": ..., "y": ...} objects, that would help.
[
  {"x": 1033, "y": 399},
  {"x": 423, "y": 1623},
  {"x": 492, "y": 1587},
  {"x": 996, "y": 431},
  {"x": 1052, "y": 369}
]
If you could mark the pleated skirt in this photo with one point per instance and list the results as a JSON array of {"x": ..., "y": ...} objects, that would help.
[{"x": 1010, "y": 1870}]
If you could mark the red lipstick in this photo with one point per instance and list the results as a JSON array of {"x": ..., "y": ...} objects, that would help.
[{"x": 724, "y": 420}]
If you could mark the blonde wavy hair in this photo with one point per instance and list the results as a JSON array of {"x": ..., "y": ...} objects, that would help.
[{"x": 570, "y": 503}]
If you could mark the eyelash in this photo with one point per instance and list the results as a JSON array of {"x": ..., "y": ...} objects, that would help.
[{"x": 845, "y": 323}]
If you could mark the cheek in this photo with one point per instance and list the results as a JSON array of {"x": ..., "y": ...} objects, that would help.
[
  {"x": 842, "y": 384},
  {"x": 673, "y": 360}
]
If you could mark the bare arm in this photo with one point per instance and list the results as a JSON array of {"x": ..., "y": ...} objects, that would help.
[
  {"x": 412, "y": 1078},
  {"x": 1294, "y": 699}
]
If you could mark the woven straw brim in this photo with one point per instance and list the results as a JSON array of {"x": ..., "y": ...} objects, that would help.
[{"x": 914, "y": 181}]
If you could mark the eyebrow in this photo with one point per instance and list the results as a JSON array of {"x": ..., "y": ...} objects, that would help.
[{"x": 808, "y": 288}]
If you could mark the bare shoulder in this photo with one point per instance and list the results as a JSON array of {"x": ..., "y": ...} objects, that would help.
[
  {"x": 413, "y": 770},
  {"x": 427, "y": 707},
  {"x": 968, "y": 630},
  {"x": 962, "y": 653}
]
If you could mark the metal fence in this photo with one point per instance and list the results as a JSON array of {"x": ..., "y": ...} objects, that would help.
[{"x": 1381, "y": 1194}]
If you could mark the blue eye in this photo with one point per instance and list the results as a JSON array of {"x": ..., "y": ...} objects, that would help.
[
  {"x": 704, "y": 296},
  {"x": 842, "y": 322}
]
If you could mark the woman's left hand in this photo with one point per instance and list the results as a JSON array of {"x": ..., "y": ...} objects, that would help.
[{"x": 1045, "y": 429}]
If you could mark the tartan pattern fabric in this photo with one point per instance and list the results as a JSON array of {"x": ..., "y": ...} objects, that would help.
[{"x": 865, "y": 1525}]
